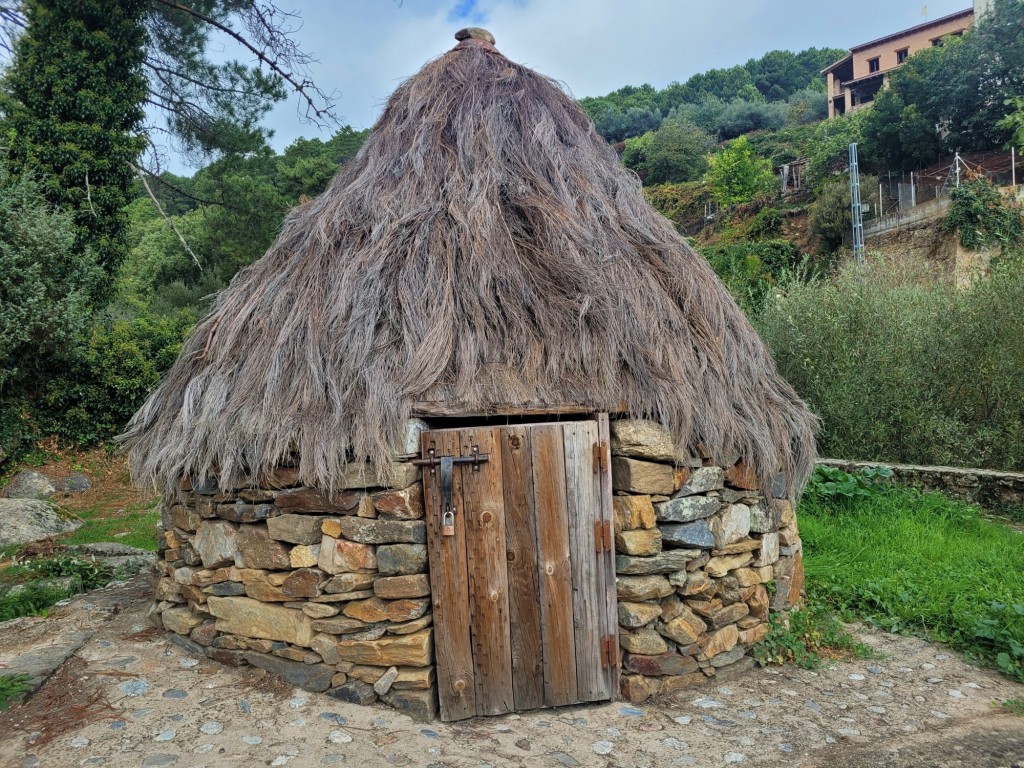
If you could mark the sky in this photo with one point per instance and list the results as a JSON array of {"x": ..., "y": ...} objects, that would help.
[{"x": 367, "y": 47}]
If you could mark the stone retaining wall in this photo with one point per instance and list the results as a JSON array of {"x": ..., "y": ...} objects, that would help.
[
  {"x": 331, "y": 592},
  {"x": 987, "y": 487},
  {"x": 698, "y": 547}
]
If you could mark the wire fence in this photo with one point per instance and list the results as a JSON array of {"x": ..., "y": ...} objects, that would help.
[{"x": 902, "y": 190}]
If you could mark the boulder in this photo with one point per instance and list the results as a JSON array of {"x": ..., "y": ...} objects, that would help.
[
  {"x": 641, "y": 588},
  {"x": 295, "y": 529},
  {"x": 645, "y": 439},
  {"x": 29, "y": 485},
  {"x": 25, "y": 520},
  {"x": 311, "y": 677},
  {"x": 695, "y": 534},
  {"x": 415, "y": 650},
  {"x": 257, "y": 550},
  {"x": 645, "y": 541},
  {"x": 216, "y": 543},
  {"x": 76, "y": 483},
  {"x": 663, "y": 562},
  {"x": 341, "y": 556},
  {"x": 397, "y": 587}
]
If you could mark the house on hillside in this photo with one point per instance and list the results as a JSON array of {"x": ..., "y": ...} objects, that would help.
[{"x": 854, "y": 80}]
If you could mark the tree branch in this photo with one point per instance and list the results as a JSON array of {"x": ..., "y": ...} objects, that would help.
[
  {"x": 142, "y": 177},
  {"x": 303, "y": 87}
]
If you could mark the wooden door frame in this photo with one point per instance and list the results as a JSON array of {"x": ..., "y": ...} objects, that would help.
[{"x": 466, "y": 654}]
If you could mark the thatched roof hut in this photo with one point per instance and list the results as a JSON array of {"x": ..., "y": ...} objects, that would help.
[{"x": 483, "y": 249}]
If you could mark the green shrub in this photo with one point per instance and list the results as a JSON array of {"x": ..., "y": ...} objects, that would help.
[
  {"x": 839, "y": 486},
  {"x": 981, "y": 216},
  {"x": 121, "y": 363},
  {"x": 738, "y": 175},
  {"x": 750, "y": 269},
  {"x": 905, "y": 371}
]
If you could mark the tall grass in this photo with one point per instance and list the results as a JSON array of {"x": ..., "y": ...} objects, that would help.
[
  {"x": 920, "y": 563},
  {"x": 906, "y": 369}
]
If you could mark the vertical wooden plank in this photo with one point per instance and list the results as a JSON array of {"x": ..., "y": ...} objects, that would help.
[
  {"x": 484, "y": 512},
  {"x": 583, "y": 501},
  {"x": 611, "y": 620},
  {"x": 456, "y": 682},
  {"x": 521, "y": 547},
  {"x": 554, "y": 566}
]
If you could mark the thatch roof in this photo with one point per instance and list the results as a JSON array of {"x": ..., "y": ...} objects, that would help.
[{"x": 484, "y": 247}]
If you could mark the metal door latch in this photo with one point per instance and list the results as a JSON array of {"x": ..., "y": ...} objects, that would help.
[
  {"x": 447, "y": 465},
  {"x": 447, "y": 509}
]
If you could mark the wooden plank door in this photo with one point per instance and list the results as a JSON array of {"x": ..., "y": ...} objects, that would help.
[{"x": 524, "y": 589}]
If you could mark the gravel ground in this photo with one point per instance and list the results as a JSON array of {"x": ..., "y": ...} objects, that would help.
[{"x": 128, "y": 697}]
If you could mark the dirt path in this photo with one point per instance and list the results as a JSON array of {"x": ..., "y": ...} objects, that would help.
[{"x": 128, "y": 697}]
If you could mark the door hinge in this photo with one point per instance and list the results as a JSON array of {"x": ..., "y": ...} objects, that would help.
[
  {"x": 603, "y": 536},
  {"x": 608, "y": 655},
  {"x": 600, "y": 457}
]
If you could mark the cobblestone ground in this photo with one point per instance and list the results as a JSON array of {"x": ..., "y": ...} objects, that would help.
[{"x": 128, "y": 697}]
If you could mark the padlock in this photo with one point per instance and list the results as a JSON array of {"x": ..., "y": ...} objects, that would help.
[{"x": 448, "y": 514}]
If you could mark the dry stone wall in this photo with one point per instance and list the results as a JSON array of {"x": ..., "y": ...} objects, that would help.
[
  {"x": 698, "y": 547},
  {"x": 329, "y": 592}
]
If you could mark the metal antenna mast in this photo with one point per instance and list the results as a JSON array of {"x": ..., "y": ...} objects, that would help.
[{"x": 855, "y": 209}]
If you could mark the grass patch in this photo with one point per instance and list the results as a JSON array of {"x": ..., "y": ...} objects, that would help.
[
  {"x": 134, "y": 526},
  {"x": 32, "y": 599},
  {"x": 11, "y": 687},
  {"x": 808, "y": 637},
  {"x": 1013, "y": 706},
  {"x": 922, "y": 564}
]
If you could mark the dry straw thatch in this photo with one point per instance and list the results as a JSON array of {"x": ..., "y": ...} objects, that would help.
[{"x": 484, "y": 247}]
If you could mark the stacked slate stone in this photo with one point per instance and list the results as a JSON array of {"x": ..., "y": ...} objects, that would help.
[
  {"x": 328, "y": 591},
  {"x": 698, "y": 545}
]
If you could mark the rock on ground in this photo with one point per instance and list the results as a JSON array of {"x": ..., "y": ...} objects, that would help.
[
  {"x": 29, "y": 485},
  {"x": 25, "y": 520}
]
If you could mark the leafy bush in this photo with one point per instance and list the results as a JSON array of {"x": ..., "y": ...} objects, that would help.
[
  {"x": 738, "y": 175},
  {"x": 982, "y": 216},
  {"x": 901, "y": 370},
  {"x": 677, "y": 151},
  {"x": 122, "y": 362},
  {"x": 750, "y": 269},
  {"x": 45, "y": 297},
  {"x": 838, "y": 485},
  {"x": 87, "y": 574}
]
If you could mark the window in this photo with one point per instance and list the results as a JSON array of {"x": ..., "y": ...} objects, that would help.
[
  {"x": 936, "y": 42},
  {"x": 874, "y": 65},
  {"x": 901, "y": 55}
]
